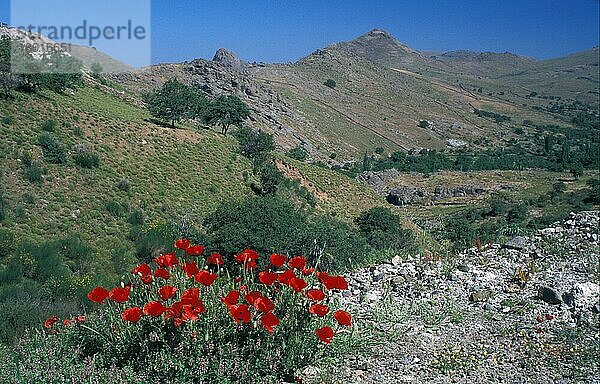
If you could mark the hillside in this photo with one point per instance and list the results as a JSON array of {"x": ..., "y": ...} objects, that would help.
[{"x": 383, "y": 91}]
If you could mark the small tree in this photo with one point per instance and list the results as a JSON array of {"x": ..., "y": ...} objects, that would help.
[
  {"x": 226, "y": 111},
  {"x": 96, "y": 70},
  {"x": 330, "y": 83},
  {"x": 298, "y": 153},
  {"x": 383, "y": 230},
  {"x": 175, "y": 101},
  {"x": 254, "y": 144},
  {"x": 576, "y": 169}
]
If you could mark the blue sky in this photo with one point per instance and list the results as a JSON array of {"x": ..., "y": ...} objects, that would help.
[{"x": 281, "y": 31}]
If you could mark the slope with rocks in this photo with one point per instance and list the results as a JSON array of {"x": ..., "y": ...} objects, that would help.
[{"x": 527, "y": 311}]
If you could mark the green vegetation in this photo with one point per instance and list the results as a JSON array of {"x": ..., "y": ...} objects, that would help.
[
  {"x": 175, "y": 101},
  {"x": 226, "y": 111},
  {"x": 330, "y": 83},
  {"x": 298, "y": 153}
]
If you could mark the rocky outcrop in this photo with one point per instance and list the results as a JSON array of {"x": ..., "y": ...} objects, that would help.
[
  {"x": 488, "y": 315},
  {"x": 227, "y": 59}
]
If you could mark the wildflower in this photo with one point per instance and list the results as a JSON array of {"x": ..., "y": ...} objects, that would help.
[
  {"x": 315, "y": 294},
  {"x": 67, "y": 322},
  {"x": 267, "y": 278},
  {"x": 269, "y": 320},
  {"x": 343, "y": 318},
  {"x": 154, "y": 308},
  {"x": 166, "y": 292},
  {"x": 325, "y": 334},
  {"x": 195, "y": 250},
  {"x": 191, "y": 269},
  {"x": 307, "y": 271},
  {"x": 263, "y": 304},
  {"x": 297, "y": 284},
  {"x": 549, "y": 317},
  {"x": 215, "y": 259},
  {"x": 285, "y": 277},
  {"x": 79, "y": 318},
  {"x": 98, "y": 295},
  {"x": 231, "y": 298},
  {"x": 277, "y": 260},
  {"x": 332, "y": 282},
  {"x": 205, "y": 278},
  {"x": 49, "y": 323},
  {"x": 252, "y": 296},
  {"x": 119, "y": 295},
  {"x": 162, "y": 273},
  {"x": 298, "y": 262},
  {"x": 182, "y": 244},
  {"x": 319, "y": 310},
  {"x": 132, "y": 315},
  {"x": 142, "y": 270},
  {"x": 190, "y": 296},
  {"x": 240, "y": 313},
  {"x": 167, "y": 260},
  {"x": 246, "y": 256}
]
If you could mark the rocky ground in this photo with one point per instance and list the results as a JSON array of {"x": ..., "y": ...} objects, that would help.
[{"x": 526, "y": 311}]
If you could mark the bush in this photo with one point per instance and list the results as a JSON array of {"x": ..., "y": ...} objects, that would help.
[
  {"x": 298, "y": 153},
  {"x": 379, "y": 150},
  {"x": 254, "y": 144},
  {"x": 53, "y": 150},
  {"x": 216, "y": 328},
  {"x": 124, "y": 185},
  {"x": 86, "y": 159},
  {"x": 270, "y": 178},
  {"x": 383, "y": 230},
  {"x": 35, "y": 172},
  {"x": 330, "y": 83},
  {"x": 424, "y": 124},
  {"x": 48, "y": 126},
  {"x": 7, "y": 120},
  {"x": 2, "y": 208},
  {"x": 114, "y": 208}
]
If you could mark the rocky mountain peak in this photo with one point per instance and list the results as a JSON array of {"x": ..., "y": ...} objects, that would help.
[{"x": 227, "y": 58}]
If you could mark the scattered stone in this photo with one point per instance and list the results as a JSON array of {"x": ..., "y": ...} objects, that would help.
[
  {"x": 480, "y": 296},
  {"x": 463, "y": 268},
  {"x": 518, "y": 243},
  {"x": 549, "y": 295}
]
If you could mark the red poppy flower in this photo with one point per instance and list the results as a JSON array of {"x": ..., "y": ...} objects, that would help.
[
  {"x": 49, "y": 323},
  {"x": 182, "y": 244},
  {"x": 166, "y": 292},
  {"x": 195, "y": 250},
  {"x": 79, "y": 318},
  {"x": 343, "y": 318},
  {"x": 252, "y": 296},
  {"x": 154, "y": 308},
  {"x": 539, "y": 319},
  {"x": 307, "y": 271},
  {"x": 231, "y": 298},
  {"x": 332, "y": 282},
  {"x": 142, "y": 269},
  {"x": 167, "y": 260},
  {"x": 298, "y": 262},
  {"x": 191, "y": 312},
  {"x": 67, "y": 322},
  {"x": 215, "y": 259},
  {"x": 277, "y": 260},
  {"x": 119, "y": 295},
  {"x": 285, "y": 277},
  {"x": 263, "y": 304},
  {"x": 250, "y": 265},
  {"x": 269, "y": 320},
  {"x": 132, "y": 315},
  {"x": 162, "y": 273},
  {"x": 205, "y": 278},
  {"x": 267, "y": 278},
  {"x": 146, "y": 279},
  {"x": 549, "y": 317},
  {"x": 190, "y": 269},
  {"x": 246, "y": 256},
  {"x": 319, "y": 310},
  {"x": 238, "y": 279},
  {"x": 190, "y": 296},
  {"x": 98, "y": 295},
  {"x": 315, "y": 294},
  {"x": 240, "y": 313},
  {"x": 297, "y": 284},
  {"x": 325, "y": 334}
]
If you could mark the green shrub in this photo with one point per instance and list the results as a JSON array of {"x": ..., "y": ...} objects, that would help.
[
  {"x": 6, "y": 120},
  {"x": 254, "y": 144},
  {"x": 52, "y": 149},
  {"x": 86, "y": 159},
  {"x": 2, "y": 208},
  {"x": 7, "y": 242},
  {"x": 298, "y": 153},
  {"x": 424, "y": 124},
  {"x": 124, "y": 185},
  {"x": 330, "y": 83},
  {"x": 48, "y": 126},
  {"x": 383, "y": 230},
  {"x": 35, "y": 172},
  {"x": 114, "y": 208},
  {"x": 379, "y": 150}
]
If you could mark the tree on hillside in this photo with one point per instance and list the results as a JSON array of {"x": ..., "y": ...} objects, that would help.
[
  {"x": 226, "y": 111},
  {"x": 254, "y": 144},
  {"x": 175, "y": 101},
  {"x": 7, "y": 79},
  {"x": 383, "y": 230}
]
